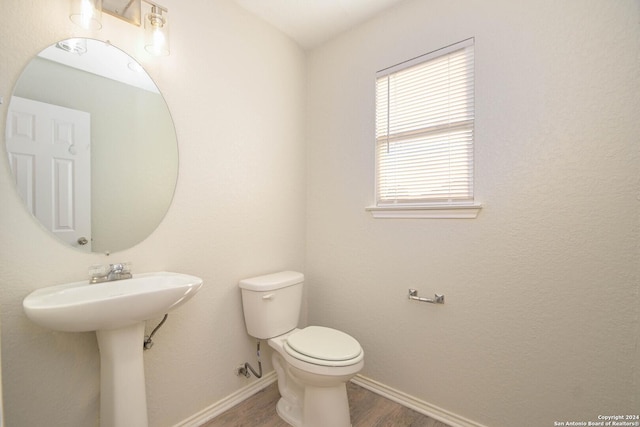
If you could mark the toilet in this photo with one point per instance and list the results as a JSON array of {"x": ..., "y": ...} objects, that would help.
[{"x": 312, "y": 364}]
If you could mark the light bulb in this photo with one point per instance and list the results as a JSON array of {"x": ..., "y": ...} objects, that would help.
[
  {"x": 156, "y": 33},
  {"x": 87, "y": 14}
]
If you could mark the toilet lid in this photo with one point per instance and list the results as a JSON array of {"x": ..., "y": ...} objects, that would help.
[{"x": 324, "y": 344}]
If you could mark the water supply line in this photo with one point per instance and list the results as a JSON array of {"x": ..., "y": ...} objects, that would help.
[
  {"x": 148, "y": 342},
  {"x": 244, "y": 370}
]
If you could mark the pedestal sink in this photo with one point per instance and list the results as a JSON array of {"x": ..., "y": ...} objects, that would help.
[{"x": 117, "y": 311}]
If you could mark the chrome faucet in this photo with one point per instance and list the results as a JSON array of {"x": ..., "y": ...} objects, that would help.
[{"x": 110, "y": 272}]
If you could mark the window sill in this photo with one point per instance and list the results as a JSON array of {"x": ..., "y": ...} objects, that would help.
[{"x": 426, "y": 212}]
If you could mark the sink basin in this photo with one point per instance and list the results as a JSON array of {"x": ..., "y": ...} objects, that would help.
[
  {"x": 84, "y": 307},
  {"x": 116, "y": 311}
]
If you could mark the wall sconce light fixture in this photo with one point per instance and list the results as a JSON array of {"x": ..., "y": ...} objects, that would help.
[
  {"x": 156, "y": 30},
  {"x": 87, "y": 14}
]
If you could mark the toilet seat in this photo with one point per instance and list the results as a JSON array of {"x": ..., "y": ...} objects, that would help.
[{"x": 323, "y": 346}]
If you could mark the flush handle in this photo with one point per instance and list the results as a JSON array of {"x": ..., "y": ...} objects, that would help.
[{"x": 268, "y": 297}]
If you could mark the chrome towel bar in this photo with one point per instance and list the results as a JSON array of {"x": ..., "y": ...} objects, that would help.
[{"x": 438, "y": 299}]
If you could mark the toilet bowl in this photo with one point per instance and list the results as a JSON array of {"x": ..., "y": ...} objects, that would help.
[
  {"x": 313, "y": 388},
  {"x": 312, "y": 364}
]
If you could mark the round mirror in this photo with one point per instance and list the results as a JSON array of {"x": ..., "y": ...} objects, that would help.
[{"x": 92, "y": 146}]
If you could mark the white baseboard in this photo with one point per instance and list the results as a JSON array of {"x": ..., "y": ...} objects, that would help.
[
  {"x": 454, "y": 420},
  {"x": 209, "y": 413}
]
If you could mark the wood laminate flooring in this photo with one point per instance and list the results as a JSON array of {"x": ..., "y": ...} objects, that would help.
[{"x": 367, "y": 410}]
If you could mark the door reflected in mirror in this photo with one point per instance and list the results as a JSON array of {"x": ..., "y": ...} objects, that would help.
[{"x": 92, "y": 146}]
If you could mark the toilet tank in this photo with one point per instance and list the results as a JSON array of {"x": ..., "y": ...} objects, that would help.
[{"x": 271, "y": 303}]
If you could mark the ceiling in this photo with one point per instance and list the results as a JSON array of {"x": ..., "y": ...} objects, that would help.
[{"x": 313, "y": 22}]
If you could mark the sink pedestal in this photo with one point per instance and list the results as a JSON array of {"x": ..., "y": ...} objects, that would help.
[
  {"x": 123, "y": 399},
  {"x": 117, "y": 311}
]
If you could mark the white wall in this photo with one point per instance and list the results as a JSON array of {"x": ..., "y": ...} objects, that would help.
[
  {"x": 1, "y": 399},
  {"x": 541, "y": 319},
  {"x": 541, "y": 316},
  {"x": 236, "y": 90}
]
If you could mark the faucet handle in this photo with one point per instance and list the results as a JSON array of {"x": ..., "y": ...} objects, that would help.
[
  {"x": 98, "y": 270},
  {"x": 122, "y": 267}
]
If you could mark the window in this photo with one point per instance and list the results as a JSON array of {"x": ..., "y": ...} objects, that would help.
[{"x": 424, "y": 135}]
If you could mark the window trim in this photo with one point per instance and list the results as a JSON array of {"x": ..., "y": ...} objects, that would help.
[
  {"x": 431, "y": 211},
  {"x": 468, "y": 208}
]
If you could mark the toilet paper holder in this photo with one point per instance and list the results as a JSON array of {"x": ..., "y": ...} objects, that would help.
[{"x": 438, "y": 299}]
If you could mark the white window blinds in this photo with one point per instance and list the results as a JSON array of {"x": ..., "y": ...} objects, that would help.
[{"x": 424, "y": 129}]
